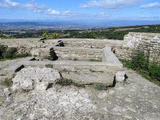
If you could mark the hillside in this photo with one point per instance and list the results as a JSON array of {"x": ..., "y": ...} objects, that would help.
[{"x": 103, "y": 33}]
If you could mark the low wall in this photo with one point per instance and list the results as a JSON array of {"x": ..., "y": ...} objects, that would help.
[{"x": 67, "y": 53}]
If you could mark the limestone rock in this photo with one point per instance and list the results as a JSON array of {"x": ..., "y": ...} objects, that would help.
[
  {"x": 35, "y": 52},
  {"x": 35, "y": 78},
  {"x": 6, "y": 92},
  {"x": 120, "y": 76}
]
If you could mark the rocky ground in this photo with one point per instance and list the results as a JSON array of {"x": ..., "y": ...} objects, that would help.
[
  {"x": 74, "y": 90},
  {"x": 135, "y": 99}
]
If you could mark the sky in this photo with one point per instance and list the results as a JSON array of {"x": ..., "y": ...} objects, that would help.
[{"x": 80, "y": 9}]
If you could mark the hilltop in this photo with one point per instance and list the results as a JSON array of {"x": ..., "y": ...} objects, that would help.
[{"x": 80, "y": 79}]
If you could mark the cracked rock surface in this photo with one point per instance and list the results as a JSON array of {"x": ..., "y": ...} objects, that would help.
[
  {"x": 138, "y": 99},
  {"x": 35, "y": 78}
]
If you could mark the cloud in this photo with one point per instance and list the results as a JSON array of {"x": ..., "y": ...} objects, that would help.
[
  {"x": 32, "y": 6},
  {"x": 101, "y": 15},
  {"x": 8, "y": 4},
  {"x": 151, "y": 5},
  {"x": 38, "y": 8},
  {"x": 110, "y": 4},
  {"x": 52, "y": 12}
]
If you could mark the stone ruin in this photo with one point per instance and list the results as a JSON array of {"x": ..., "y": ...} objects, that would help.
[
  {"x": 85, "y": 54},
  {"x": 147, "y": 42},
  {"x": 92, "y": 82}
]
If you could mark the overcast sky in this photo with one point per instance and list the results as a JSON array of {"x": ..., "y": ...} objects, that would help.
[{"x": 80, "y": 9}]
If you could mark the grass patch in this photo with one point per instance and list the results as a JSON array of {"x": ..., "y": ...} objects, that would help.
[
  {"x": 95, "y": 60},
  {"x": 49, "y": 66},
  {"x": 101, "y": 86},
  {"x": 68, "y": 82},
  {"x": 7, "y": 82},
  {"x": 65, "y": 70},
  {"x": 15, "y": 57},
  {"x": 98, "y": 86},
  {"x": 75, "y": 59},
  {"x": 95, "y": 71}
]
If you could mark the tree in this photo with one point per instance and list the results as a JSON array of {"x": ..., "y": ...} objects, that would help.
[
  {"x": 54, "y": 35},
  {"x": 45, "y": 34}
]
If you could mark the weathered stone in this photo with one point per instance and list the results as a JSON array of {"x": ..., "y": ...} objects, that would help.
[
  {"x": 6, "y": 92},
  {"x": 120, "y": 76},
  {"x": 35, "y": 52},
  {"x": 39, "y": 78}
]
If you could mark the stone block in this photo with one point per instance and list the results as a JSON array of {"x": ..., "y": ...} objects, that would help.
[{"x": 120, "y": 76}]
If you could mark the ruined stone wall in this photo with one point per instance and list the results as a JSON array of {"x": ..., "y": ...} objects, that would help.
[
  {"x": 68, "y": 53},
  {"x": 147, "y": 42}
]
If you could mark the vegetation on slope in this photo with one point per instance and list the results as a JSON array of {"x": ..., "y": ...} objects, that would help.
[
  {"x": 50, "y": 35},
  {"x": 140, "y": 63},
  {"x": 108, "y": 33}
]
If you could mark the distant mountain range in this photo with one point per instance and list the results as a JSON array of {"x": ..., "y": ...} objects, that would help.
[{"x": 63, "y": 25}]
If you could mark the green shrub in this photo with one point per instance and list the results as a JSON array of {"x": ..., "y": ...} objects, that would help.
[
  {"x": 140, "y": 62},
  {"x": 11, "y": 53},
  {"x": 3, "y": 49},
  {"x": 46, "y": 35},
  {"x": 75, "y": 59},
  {"x": 154, "y": 71}
]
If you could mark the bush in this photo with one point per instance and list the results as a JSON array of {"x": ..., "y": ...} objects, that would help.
[
  {"x": 75, "y": 59},
  {"x": 50, "y": 36},
  {"x": 140, "y": 62},
  {"x": 11, "y": 53},
  {"x": 154, "y": 71},
  {"x": 3, "y": 49}
]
